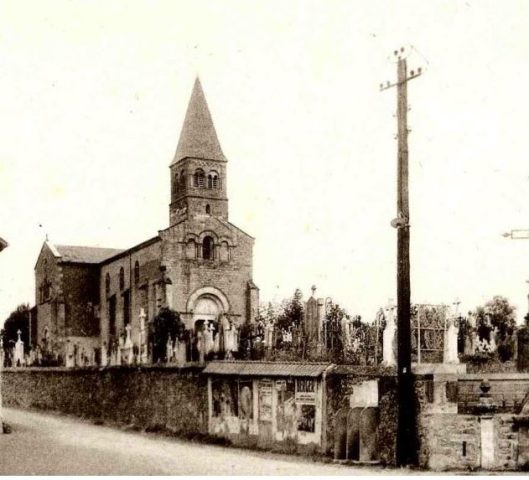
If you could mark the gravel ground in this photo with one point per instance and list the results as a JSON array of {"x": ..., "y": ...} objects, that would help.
[{"x": 48, "y": 444}]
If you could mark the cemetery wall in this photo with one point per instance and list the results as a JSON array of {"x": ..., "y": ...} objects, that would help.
[{"x": 156, "y": 398}]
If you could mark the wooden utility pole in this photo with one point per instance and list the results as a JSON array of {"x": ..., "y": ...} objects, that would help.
[{"x": 406, "y": 430}]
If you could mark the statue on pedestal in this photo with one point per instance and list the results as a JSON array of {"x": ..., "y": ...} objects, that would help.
[{"x": 19, "y": 360}]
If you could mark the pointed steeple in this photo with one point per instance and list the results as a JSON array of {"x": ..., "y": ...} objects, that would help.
[{"x": 198, "y": 138}]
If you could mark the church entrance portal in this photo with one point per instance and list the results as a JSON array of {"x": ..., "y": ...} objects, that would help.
[{"x": 206, "y": 314}]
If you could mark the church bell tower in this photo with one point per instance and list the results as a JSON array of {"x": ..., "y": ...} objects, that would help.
[{"x": 198, "y": 170}]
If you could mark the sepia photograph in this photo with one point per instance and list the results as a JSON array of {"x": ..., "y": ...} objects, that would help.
[{"x": 253, "y": 237}]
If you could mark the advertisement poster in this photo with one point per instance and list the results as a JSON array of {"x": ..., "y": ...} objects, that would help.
[{"x": 265, "y": 400}]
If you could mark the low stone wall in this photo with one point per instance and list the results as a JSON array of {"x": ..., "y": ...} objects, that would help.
[
  {"x": 158, "y": 398},
  {"x": 452, "y": 441}
]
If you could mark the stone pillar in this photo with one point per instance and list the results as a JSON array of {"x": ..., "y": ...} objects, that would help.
[
  {"x": 388, "y": 337},
  {"x": 252, "y": 301},
  {"x": 104, "y": 355},
  {"x": 321, "y": 322},
  {"x": 142, "y": 343},
  {"x": 200, "y": 346}
]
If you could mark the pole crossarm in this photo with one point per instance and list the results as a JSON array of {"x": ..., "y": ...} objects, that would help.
[
  {"x": 518, "y": 234},
  {"x": 413, "y": 74}
]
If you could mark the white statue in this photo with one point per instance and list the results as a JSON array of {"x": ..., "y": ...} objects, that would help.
[
  {"x": 209, "y": 344},
  {"x": 450, "y": 347},
  {"x": 18, "y": 359}
]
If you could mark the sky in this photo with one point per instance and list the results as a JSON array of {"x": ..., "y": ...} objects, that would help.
[{"x": 94, "y": 95}]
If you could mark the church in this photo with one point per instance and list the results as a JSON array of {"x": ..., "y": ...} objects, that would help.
[{"x": 88, "y": 298}]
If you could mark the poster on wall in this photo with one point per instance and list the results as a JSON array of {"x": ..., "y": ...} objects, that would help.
[
  {"x": 265, "y": 400},
  {"x": 245, "y": 400},
  {"x": 305, "y": 390},
  {"x": 225, "y": 401},
  {"x": 286, "y": 409},
  {"x": 307, "y": 418}
]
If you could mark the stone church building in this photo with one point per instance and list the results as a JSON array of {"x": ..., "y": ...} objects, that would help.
[{"x": 200, "y": 266}]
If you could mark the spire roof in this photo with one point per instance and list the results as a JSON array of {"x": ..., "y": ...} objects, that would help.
[{"x": 198, "y": 137}]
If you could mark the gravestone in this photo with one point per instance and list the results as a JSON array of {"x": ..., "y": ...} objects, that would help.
[{"x": 311, "y": 320}]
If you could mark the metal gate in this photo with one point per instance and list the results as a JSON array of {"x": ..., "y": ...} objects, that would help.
[{"x": 428, "y": 325}]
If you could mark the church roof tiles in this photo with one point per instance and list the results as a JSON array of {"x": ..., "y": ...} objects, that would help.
[
  {"x": 198, "y": 138},
  {"x": 75, "y": 254}
]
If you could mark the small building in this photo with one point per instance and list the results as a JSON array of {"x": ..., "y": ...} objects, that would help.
[{"x": 268, "y": 403}]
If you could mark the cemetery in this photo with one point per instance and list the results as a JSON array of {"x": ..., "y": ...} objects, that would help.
[{"x": 324, "y": 385}]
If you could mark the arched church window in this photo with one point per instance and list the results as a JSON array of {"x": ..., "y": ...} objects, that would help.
[
  {"x": 208, "y": 209},
  {"x": 121, "y": 278},
  {"x": 136, "y": 272},
  {"x": 199, "y": 178},
  {"x": 207, "y": 248},
  {"x": 213, "y": 180},
  {"x": 107, "y": 284},
  {"x": 176, "y": 183}
]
